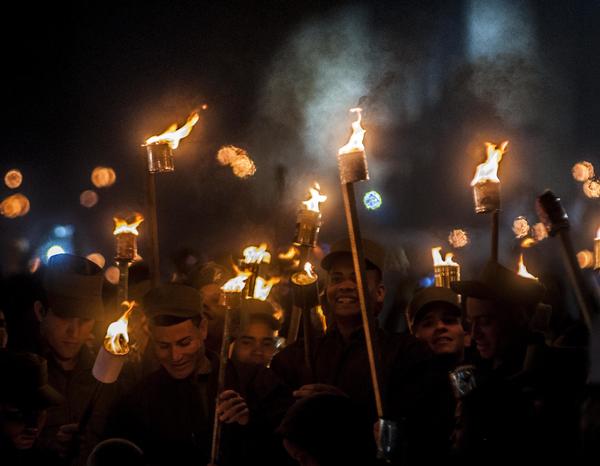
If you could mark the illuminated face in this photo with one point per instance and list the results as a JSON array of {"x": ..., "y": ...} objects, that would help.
[
  {"x": 179, "y": 347},
  {"x": 256, "y": 344},
  {"x": 487, "y": 329},
  {"x": 342, "y": 293},
  {"x": 21, "y": 428},
  {"x": 65, "y": 335},
  {"x": 441, "y": 328}
]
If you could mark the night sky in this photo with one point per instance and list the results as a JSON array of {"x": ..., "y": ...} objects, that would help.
[{"x": 86, "y": 84}]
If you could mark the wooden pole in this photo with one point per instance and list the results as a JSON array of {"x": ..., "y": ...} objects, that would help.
[
  {"x": 152, "y": 215},
  {"x": 495, "y": 234}
]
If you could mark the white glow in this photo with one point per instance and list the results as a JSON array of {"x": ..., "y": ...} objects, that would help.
[{"x": 53, "y": 251}]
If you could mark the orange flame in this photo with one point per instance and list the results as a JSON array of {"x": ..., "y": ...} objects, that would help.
[
  {"x": 122, "y": 226},
  {"x": 598, "y": 234},
  {"x": 355, "y": 143},
  {"x": 116, "y": 340},
  {"x": 257, "y": 255},
  {"x": 315, "y": 198},
  {"x": 523, "y": 270},
  {"x": 321, "y": 316},
  {"x": 528, "y": 242},
  {"x": 585, "y": 259},
  {"x": 437, "y": 257},
  {"x": 237, "y": 283},
  {"x": 289, "y": 254},
  {"x": 263, "y": 287},
  {"x": 172, "y": 135},
  {"x": 488, "y": 170}
]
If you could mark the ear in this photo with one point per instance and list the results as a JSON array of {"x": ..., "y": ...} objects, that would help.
[
  {"x": 38, "y": 309},
  {"x": 380, "y": 293}
]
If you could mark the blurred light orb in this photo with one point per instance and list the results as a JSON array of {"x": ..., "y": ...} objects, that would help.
[
  {"x": 103, "y": 177},
  {"x": 427, "y": 282},
  {"x": 238, "y": 159},
  {"x": 372, "y": 200},
  {"x": 62, "y": 231},
  {"x": 539, "y": 232},
  {"x": 34, "y": 264},
  {"x": 13, "y": 178},
  {"x": 14, "y": 206},
  {"x": 585, "y": 259},
  {"x": 112, "y": 275},
  {"x": 591, "y": 188},
  {"x": 520, "y": 227},
  {"x": 582, "y": 171},
  {"x": 458, "y": 238},
  {"x": 88, "y": 198},
  {"x": 54, "y": 250},
  {"x": 97, "y": 259}
]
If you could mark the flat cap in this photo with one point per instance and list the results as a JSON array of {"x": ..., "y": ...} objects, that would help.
[
  {"x": 374, "y": 253},
  {"x": 173, "y": 299},
  {"x": 417, "y": 307}
]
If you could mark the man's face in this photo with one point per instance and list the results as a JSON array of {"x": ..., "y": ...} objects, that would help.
[
  {"x": 178, "y": 347},
  {"x": 22, "y": 428},
  {"x": 487, "y": 329},
  {"x": 65, "y": 335},
  {"x": 256, "y": 344},
  {"x": 342, "y": 293},
  {"x": 441, "y": 328}
]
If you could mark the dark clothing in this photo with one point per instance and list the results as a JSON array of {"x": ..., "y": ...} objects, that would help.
[
  {"x": 413, "y": 386},
  {"x": 171, "y": 420},
  {"x": 10, "y": 456}
]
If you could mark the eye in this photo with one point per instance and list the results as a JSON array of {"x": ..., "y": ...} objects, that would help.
[
  {"x": 184, "y": 343},
  {"x": 336, "y": 278}
]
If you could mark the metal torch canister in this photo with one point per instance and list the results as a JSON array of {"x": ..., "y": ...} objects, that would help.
[
  {"x": 446, "y": 274},
  {"x": 486, "y": 196},
  {"x": 353, "y": 167},
  {"x": 305, "y": 289},
  {"x": 308, "y": 224},
  {"x": 230, "y": 300},
  {"x": 250, "y": 286},
  {"x": 160, "y": 158},
  {"x": 126, "y": 247}
]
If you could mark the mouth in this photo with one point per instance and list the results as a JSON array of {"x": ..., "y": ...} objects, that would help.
[
  {"x": 442, "y": 340},
  {"x": 346, "y": 300}
]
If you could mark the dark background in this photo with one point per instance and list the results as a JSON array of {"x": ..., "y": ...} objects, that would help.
[{"x": 85, "y": 84}]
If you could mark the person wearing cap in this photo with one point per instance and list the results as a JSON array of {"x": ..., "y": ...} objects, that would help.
[
  {"x": 68, "y": 310},
  {"x": 169, "y": 414},
  {"x": 340, "y": 358},
  {"x": 525, "y": 396},
  {"x": 434, "y": 316},
  {"x": 256, "y": 339},
  {"x": 208, "y": 278},
  {"x": 25, "y": 397}
]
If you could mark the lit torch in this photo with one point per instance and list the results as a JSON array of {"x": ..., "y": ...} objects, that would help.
[
  {"x": 522, "y": 270},
  {"x": 126, "y": 234},
  {"x": 352, "y": 164},
  {"x": 253, "y": 257},
  {"x": 486, "y": 189},
  {"x": 445, "y": 271},
  {"x": 306, "y": 292},
  {"x": 231, "y": 297}
]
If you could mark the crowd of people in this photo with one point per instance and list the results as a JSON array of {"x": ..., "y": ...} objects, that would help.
[{"x": 477, "y": 377}]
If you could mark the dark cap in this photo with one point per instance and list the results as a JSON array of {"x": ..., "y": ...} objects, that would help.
[
  {"x": 374, "y": 253},
  {"x": 252, "y": 310},
  {"x": 497, "y": 283},
  {"x": 207, "y": 274},
  {"x": 173, "y": 299},
  {"x": 417, "y": 308},
  {"x": 73, "y": 287},
  {"x": 25, "y": 381}
]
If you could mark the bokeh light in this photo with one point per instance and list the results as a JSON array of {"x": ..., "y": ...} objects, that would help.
[
  {"x": 539, "y": 232},
  {"x": 591, "y": 188},
  {"x": 88, "y": 198},
  {"x": 54, "y": 250},
  {"x": 14, "y": 206},
  {"x": 585, "y": 259},
  {"x": 112, "y": 275},
  {"x": 458, "y": 238},
  {"x": 520, "y": 227},
  {"x": 97, "y": 259},
  {"x": 103, "y": 177},
  {"x": 372, "y": 200},
  {"x": 13, "y": 178},
  {"x": 582, "y": 171}
]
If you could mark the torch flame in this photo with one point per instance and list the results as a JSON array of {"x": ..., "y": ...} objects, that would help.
[
  {"x": 257, "y": 255},
  {"x": 488, "y": 170},
  {"x": 598, "y": 233},
  {"x": 308, "y": 268},
  {"x": 321, "y": 315},
  {"x": 437, "y": 257},
  {"x": 355, "y": 143},
  {"x": 289, "y": 255},
  {"x": 122, "y": 226},
  {"x": 528, "y": 242},
  {"x": 237, "y": 283},
  {"x": 172, "y": 135},
  {"x": 116, "y": 339},
  {"x": 315, "y": 198},
  {"x": 263, "y": 287},
  {"x": 523, "y": 270}
]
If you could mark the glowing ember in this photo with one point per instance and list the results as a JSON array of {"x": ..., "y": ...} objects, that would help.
[
  {"x": 591, "y": 188},
  {"x": 88, "y": 198},
  {"x": 97, "y": 259},
  {"x": 289, "y": 255},
  {"x": 103, "y": 177},
  {"x": 355, "y": 143},
  {"x": 172, "y": 135},
  {"x": 257, "y": 255},
  {"x": 582, "y": 171},
  {"x": 520, "y": 227},
  {"x": 316, "y": 198},
  {"x": 528, "y": 242},
  {"x": 123, "y": 226},
  {"x": 13, "y": 178},
  {"x": 458, "y": 238},
  {"x": 15, "y": 206},
  {"x": 585, "y": 259},
  {"x": 236, "y": 284},
  {"x": 488, "y": 170},
  {"x": 437, "y": 257},
  {"x": 523, "y": 270},
  {"x": 263, "y": 287},
  {"x": 321, "y": 316},
  {"x": 239, "y": 160},
  {"x": 116, "y": 340},
  {"x": 539, "y": 232},
  {"x": 112, "y": 275}
]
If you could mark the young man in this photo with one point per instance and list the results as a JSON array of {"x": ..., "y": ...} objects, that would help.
[
  {"x": 67, "y": 312},
  {"x": 170, "y": 413}
]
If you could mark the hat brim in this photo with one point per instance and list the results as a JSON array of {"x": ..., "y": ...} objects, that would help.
[
  {"x": 329, "y": 259},
  {"x": 474, "y": 289},
  {"x": 68, "y": 307},
  {"x": 519, "y": 293}
]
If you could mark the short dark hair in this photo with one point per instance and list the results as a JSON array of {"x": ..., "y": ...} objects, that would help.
[{"x": 166, "y": 320}]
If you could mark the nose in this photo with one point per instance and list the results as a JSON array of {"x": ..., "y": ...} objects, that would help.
[
  {"x": 176, "y": 354},
  {"x": 475, "y": 330},
  {"x": 73, "y": 327}
]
